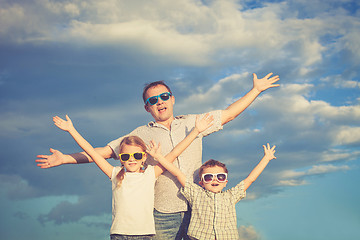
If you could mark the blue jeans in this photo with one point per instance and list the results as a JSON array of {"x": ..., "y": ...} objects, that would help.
[
  {"x": 130, "y": 237},
  {"x": 171, "y": 226}
]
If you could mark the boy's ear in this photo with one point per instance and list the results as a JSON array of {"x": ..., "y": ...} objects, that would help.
[{"x": 201, "y": 183}]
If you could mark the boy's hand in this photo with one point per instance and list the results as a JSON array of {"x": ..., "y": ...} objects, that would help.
[
  {"x": 204, "y": 123},
  {"x": 154, "y": 150},
  {"x": 269, "y": 152},
  {"x": 265, "y": 82},
  {"x": 65, "y": 125}
]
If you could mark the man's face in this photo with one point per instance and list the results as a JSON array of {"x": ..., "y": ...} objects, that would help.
[
  {"x": 213, "y": 186},
  {"x": 162, "y": 111}
]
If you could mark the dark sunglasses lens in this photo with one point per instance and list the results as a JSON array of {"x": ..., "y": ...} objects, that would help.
[
  {"x": 125, "y": 157},
  {"x": 208, "y": 177},
  {"x": 138, "y": 156},
  {"x": 165, "y": 96},
  {"x": 153, "y": 100},
  {"x": 221, "y": 177}
]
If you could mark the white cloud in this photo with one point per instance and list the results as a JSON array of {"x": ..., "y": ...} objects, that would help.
[
  {"x": 339, "y": 82},
  {"x": 292, "y": 182},
  {"x": 192, "y": 36},
  {"x": 248, "y": 233},
  {"x": 347, "y": 135},
  {"x": 296, "y": 178}
]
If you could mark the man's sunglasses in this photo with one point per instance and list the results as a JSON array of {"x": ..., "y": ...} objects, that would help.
[
  {"x": 209, "y": 177},
  {"x": 154, "y": 99},
  {"x": 126, "y": 156}
]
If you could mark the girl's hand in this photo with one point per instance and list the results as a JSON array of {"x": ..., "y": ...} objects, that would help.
[
  {"x": 269, "y": 152},
  {"x": 204, "y": 123},
  {"x": 65, "y": 125},
  {"x": 154, "y": 150}
]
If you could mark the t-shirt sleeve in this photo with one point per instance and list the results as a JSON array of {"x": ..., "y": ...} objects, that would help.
[
  {"x": 216, "y": 124},
  {"x": 238, "y": 192},
  {"x": 189, "y": 190},
  {"x": 114, "y": 173}
]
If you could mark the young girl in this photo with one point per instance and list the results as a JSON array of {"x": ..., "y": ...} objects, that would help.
[{"x": 132, "y": 186}]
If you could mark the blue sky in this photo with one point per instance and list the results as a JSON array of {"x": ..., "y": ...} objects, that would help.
[{"x": 91, "y": 59}]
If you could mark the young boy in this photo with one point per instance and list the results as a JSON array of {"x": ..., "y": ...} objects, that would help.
[{"x": 213, "y": 213}]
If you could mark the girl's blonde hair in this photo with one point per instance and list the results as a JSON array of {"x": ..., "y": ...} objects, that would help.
[{"x": 132, "y": 141}]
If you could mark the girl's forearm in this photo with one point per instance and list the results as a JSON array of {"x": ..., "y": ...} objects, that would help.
[
  {"x": 179, "y": 148},
  {"x": 172, "y": 169},
  {"x": 94, "y": 155}
]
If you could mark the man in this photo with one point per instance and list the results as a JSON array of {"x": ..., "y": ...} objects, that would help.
[{"x": 170, "y": 210}]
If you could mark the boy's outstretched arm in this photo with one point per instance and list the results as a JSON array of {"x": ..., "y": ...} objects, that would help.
[
  {"x": 259, "y": 85},
  {"x": 268, "y": 156},
  {"x": 155, "y": 151},
  {"x": 67, "y": 125}
]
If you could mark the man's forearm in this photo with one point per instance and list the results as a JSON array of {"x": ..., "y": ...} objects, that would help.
[
  {"x": 82, "y": 157},
  {"x": 232, "y": 111}
]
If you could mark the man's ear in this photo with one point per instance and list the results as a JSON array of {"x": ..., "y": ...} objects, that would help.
[{"x": 146, "y": 108}]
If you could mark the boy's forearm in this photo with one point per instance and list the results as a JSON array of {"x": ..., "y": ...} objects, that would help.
[{"x": 255, "y": 173}]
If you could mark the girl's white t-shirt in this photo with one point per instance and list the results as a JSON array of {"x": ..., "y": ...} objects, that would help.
[{"x": 133, "y": 203}]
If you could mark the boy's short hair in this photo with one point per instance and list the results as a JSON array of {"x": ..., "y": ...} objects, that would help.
[
  {"x": 153, "y": 84},
  {"x": 212, "y": 163}
]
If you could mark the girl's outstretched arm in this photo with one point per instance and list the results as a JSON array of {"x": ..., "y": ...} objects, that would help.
[
  {"x": 155, "y": 151},
  {"x": 200, "y": 126},
  {"x": 68, "y": 126},
  {"x": 268, "y": 156}
]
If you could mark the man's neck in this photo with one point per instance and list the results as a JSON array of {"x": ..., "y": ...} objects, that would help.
[{"x": 166, "y": 123}]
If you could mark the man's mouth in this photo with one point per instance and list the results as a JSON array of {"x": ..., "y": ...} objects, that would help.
[
  {"x": 162, "y": 109},
  {"x": 214, "y": 184}
]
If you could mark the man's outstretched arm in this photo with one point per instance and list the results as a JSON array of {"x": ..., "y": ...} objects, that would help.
[
  {"x": 259, "y": 85},
  {"x": 57, "y": 158}
]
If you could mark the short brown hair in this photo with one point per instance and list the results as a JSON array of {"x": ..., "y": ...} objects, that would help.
[
  {"x": 212, "y": 163},
  {"x": 153, "y": 84}
]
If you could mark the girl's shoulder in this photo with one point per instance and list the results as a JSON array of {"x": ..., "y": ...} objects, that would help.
[{"x": 116, "y": 170}]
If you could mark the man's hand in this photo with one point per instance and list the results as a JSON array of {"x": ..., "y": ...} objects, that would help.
[
  {"x": 265, "y": 82},
  {"x": 48, "y": 161}
]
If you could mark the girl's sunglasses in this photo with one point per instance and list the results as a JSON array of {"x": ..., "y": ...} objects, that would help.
[
  {"x": 126, "y": 156},
  {"x": 209, "y": 177},
  {"x": 154, "y": 99}
]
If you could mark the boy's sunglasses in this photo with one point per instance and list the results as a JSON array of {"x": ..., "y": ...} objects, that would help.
[
  {"x": 126, "y": 156},
  {"x": 209, "y": 177},
  {"x": 154, "y": 99}
]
